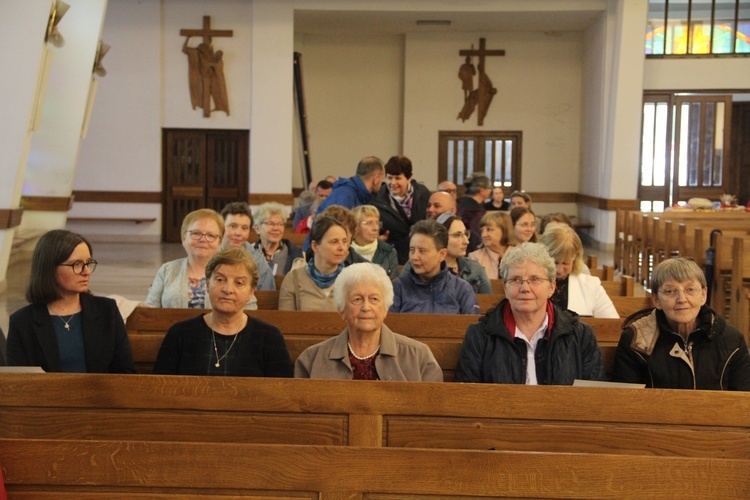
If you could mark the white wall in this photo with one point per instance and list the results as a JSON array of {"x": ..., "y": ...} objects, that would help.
[
  {"x": 354, "y": 97},
  {"x": 697, "y": 74}
]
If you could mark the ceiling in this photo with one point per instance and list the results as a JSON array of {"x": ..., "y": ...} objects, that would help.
[{"x": 338, "y": 22}]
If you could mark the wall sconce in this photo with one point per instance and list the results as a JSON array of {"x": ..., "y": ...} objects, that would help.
[{"x": 59, "y": 8}]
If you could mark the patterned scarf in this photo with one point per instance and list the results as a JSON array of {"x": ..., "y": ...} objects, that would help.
[
  {"x": 320, "y": 279},
  {"x": 406, "y": 200}
]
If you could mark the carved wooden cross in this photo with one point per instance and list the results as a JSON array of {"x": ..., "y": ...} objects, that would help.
[
  {"x": 483, "y": 100},
  {"x": 207, "y": 33}
]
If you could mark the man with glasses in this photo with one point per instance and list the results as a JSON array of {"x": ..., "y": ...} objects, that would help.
[
  {"x": 526, "y": 339},
  {"x": 681, "y": 343},
  {"x": 237, "y": 223}
]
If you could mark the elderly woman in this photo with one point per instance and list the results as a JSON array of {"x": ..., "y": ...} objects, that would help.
[
  {"x": 181, "y": 283},
  {"x": 526, "y": 339},
  {"x": 226, "y": 341},
  {"x": 681, "y": 343},
  {"x": 578, "y": 292},
  {"x": 524, "y": 225},
  {"x": 367, "y": 243},
  {"x": 456, "y": 260},
  {"x": 367, "y": 349},
  {"x": 279, "y": 253},
  {"x": 65, "y": 328},
  {"x": 309, "y": 288},
  {"x": 496, "y": 240}
]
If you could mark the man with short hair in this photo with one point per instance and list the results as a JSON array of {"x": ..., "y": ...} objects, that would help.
[
  {"x": 439, "y": 203},
  {"x": 401, "y": 201},
  {"x": 238, "y": 219},
  {"x": 471, "y": 205},
  {"x": 429, "y": 287},
  {"x": 357, "y": 190},
  {"x": 322, "y": 190},
  {"x": 449, "y": 187}
]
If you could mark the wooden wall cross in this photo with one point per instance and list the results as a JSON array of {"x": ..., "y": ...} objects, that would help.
[
  {"x": 481, "y": 97},
  {"x": 206, "y": 69}
]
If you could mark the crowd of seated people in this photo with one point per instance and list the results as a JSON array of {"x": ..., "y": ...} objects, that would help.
[{"x": 534, "y": 336}]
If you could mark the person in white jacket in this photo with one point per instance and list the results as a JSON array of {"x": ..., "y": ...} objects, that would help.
[{"x": 575, "y": 291}]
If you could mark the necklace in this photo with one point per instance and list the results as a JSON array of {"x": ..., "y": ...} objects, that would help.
[
  {"x": 67, "y": 323},
  {"x": 216, "y": 350},
  {"x": 362, "y": 358}
]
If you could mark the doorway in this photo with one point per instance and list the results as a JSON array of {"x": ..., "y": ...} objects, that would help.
[{"x": 201, "y": 169}]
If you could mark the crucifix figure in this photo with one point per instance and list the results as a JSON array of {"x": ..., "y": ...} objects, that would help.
[
  {"x": 481, "y": 97},
  {"x": 206, "y": 69}
]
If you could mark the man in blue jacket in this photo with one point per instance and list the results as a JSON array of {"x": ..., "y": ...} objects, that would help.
[{"x": 357, "y": 190}]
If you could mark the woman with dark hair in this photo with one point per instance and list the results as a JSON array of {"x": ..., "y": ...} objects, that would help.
[
  {"x": 309, "y": 288},
  {"x": 65, "y": 328}
]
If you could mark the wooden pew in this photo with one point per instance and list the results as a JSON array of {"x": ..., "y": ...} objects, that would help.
[
  {"x": 739, "y": 312},
  {"x": 49, "y": 469},
  {"x": 443, "y": 333},
  {"x": 625, "y": 305}
]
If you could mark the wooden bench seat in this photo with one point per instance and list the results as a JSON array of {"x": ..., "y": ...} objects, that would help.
[
  {"x": 443, "y": 333},
  {"x": 43, "y": 469}
]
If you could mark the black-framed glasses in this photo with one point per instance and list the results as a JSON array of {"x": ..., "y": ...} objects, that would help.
[
  {"x": 197, "y": 235},
  {"x": 78, "y": 266}
]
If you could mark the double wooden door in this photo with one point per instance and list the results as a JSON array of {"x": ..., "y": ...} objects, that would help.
[{"x": 202, "y": 169}]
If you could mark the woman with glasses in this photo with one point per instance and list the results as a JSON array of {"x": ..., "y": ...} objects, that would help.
[
  {"x": 496, "y": 240},
  {"x": 574, "y": 290},
  {"x": 455, "y": 260},
  {"x": 524, "y": 225},
  {"x": 526, "y": 339},
  {"x": 681, "y": 343},
  {"x": 181, "y": 283},
  {"x": 367, "y": 242},
  {"x": 65, "y": 328},
  {"x": 270, "y": 220}
]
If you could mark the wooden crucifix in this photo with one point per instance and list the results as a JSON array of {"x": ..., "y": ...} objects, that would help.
[
  {"x": 481, "y": 97},
  {"x": 206, "y": 69}
]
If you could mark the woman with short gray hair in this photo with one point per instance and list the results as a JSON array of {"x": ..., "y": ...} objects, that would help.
[
  {"x": 681, "y": 343},
  {"x": 526, "y": 339},
  {"x": 279, "y": 252},
  {"x": 367, "y": 349}
]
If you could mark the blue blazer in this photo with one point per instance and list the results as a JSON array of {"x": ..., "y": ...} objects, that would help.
[{"x": 32, "y": 340}]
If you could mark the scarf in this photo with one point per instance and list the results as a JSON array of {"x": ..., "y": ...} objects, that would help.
[
  {"x": 320, "y": 279},
  {"x": 406, "y": 200},
  {"x": 367, "y": 251}
]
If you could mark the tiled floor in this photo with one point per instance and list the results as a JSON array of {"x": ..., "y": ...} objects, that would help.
[{"x": 125, "y": 269}]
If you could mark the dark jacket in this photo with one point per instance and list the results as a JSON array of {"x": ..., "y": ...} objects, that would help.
[
  {"x": 32, "y": 340},
  {"x": 649, "y": 352},
  {"x": 470, "y": 212},
  {"x": 394, "y": 218},
  {"x": 491, "y": 354},
  {"x": 293, "y": 252},
  {"x": 385, "y": 257},
  {"x": 443, "y": 294},
  {"x": 468, "y": 270}
]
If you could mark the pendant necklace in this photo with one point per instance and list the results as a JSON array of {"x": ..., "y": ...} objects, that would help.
[
  {"x": 216, "y": 350},
  {"x": 67, "y": 323}
]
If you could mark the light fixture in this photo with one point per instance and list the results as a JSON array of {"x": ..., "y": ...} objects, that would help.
[
  {"x": 101, "y": 51},
  {"x": 59, "y": 8}
]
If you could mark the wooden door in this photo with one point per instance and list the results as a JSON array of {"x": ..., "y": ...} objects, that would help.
[{"x": 202, "y": 169}]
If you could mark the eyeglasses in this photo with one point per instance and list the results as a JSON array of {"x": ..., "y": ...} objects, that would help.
[
  {"x": 273, "y": 224},
  {"x": 534, "y": 281},
  {"x": 78, "y": 266},
  {"x": 690, "y": 291},
  {"x": 460, "y": 234},
  {"x": 197, "y": 235},
  {"x": 371, "y": 223}
]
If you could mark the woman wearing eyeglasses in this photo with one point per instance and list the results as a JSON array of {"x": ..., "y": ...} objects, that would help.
[
  {"x": 681, "y": 343},
  {"x": 367, "y": 242},
  {"x": 181, "y": 283},
  {"x": 526, "y": 339},
  {"x": 65, "y": 328},
  {"x": 270, "y": 220}
]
